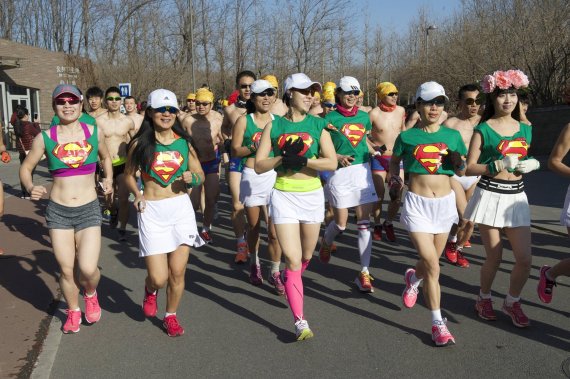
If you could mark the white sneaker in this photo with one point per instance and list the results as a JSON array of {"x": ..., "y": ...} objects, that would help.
[{"x": 302, "y": 330}]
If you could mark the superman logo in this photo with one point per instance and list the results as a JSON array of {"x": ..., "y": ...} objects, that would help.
[
  {"x": 517, "y": 147},
  {"x": 354, "y": 133},
  {"x": 255, "y": 138},
  {"x": 166, "y": 163},
  {"x": 429, "y": 155},
  {"x": 73, "y": 154},
  {"x": 306, "y": 137},
  {"x": 332, "y": 127}
]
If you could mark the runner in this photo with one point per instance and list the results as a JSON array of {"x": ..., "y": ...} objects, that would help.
[
  {"x": 232, "y": 112},
  {"x": 387, "y": 123},
  {"x": 117, "y": 129},
  {"x": 5, "y": 158},
  {"x": 463, "y": 186},
  {"x": 350, "y": 185},
  {"x": 163, "y": 152},
  {"x": 73, "y": 216},
  {"x": 255, "y": 189},
  {"x": 300, "y": 149},
  {"x": 499, "y": 153},
  {"x": 431, "y": 154},
  {"x": 205, "y": 129},
  {"x": 278, "y": 108},
  {"x": 94, "y": 97},
  {"x": 131, "y": 109},
  {"x": 414, "y": 118},
  {"x": 316, "y": 108},
  {"x": 25, "y": 132},
  {"x": 360, "y": 101}
]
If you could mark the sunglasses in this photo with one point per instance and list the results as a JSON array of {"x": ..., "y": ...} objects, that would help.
[
  {"x": 244, "y": 86},
  {"x": 306, "y": 91},
  {"x": 348, "y": 93},
  {"x": 200, "y": 104},
  {"x": 166, "y": 109},
  {"x": 111, "y": 98},
  {"x": 393, "y": 94},
  {"x": 329, "y": 105},
  {"x": 438, "y": 101},
  {"x": 267, "y": 92},
  {"x": 68, "y": 100},
  {"x": 472, "y": 101},
  {"x": 190, "y": 100}
]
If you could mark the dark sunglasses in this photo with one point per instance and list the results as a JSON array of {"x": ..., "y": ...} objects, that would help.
[
  {"x": 190, "y": 100},
  {"x": 438, "y": 101},
  {"x": 69, "y": 100},
  {"x": 111, "y": 98},
  {"x": 200, "y": 104},
  {"x": 244, "y": 86},
  {"x": 393, "y": 94},
  {"x": 305, "y": 91},
  {"x": 329, "y": 105},
  {"x": 267, "y": 92},
  {"x": 472, "y": 101},
  {"x": 355, "y": 92},
  {"x": 166, "y": 109}
]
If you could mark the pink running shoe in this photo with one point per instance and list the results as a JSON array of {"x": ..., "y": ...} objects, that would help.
[
  {"x": 92, "y": 308},
  {"x": 255, "y": 275},
  {"x": 275, "y": 280},
  {"x": 484, "y": 309},
  {"x": 73, "y": 321},
  {"x": 517, "y": 315},
  {"x": 149, "y": 303},
  {"x": 451, "y": 252},
  {"x": 410, "y": 294},
  {"x": 173, "y": 328},
  {"x": 545, "y": 286},
  {"x": 441, "y": 335}
]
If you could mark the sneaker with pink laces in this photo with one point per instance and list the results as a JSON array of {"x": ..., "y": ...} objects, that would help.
[
  {"x": 73, "y": 321},
  {"x": 92, "y": 308},
  {"x": 255, "y": 277},
  {"x": 517, "y": 315},
  {"x": 275, "y": 280},
  {"x": 410, "y": 294},
  {"x": 149, "y": 303},
  {"x": 484, "y": 309},
  {"x": 173, "y": 328},
  {"x": 545, "y": 286},
  {"x": 440, "y": 334}
]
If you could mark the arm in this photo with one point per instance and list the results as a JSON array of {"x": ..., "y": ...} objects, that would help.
[
  {"x": 29, "y": 164},
  {"x": 263, "y": 162},
  {"x": 327, "y": 160},
  {"x": 105, "y": 159},
  {"x": 195, "y": 175},
  {"x": 226, "y": 125},
  {"x": 412, "y": 121},
  {"x": 131, "y": 131},
  {"x": 559, "y": 152},
  {"x": 238, "y": 132},
  {"x": 131, "y": 180}
]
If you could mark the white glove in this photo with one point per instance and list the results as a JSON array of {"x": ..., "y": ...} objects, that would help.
[
  {"x": 508, "y": 162},
  {"x": 524, "y": 167}
]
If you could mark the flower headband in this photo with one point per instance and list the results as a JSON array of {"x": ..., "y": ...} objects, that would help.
[{"x": 504, "y": 80}]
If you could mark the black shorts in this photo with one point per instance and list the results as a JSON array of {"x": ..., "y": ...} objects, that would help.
[{"x": 77, "y": 218}]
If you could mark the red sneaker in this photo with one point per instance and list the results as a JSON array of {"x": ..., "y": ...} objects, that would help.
[
  {"x": 149, "y": 303},
  {"x": 92, "y": 308},
  {"x": 484, "y": 309},
  {"x": 173, "y": 328},
  {"x": 326, "y": 251},
  {"x": 545, "y": 286},
  {"x": 73, "y": 321},
  {"x": 517, "y": 315},
  {"x": 206, "y": 236},
  {"x": 377, "y": 234},
  {"x": 364, "y": 282},
  {"x": 451, "y": 252},
  {"x": 389, "y": 229},
  {"x": 242, "y": 253},
  {"x": 467, "y": 244},
  {"x": 461, "y": 260}
]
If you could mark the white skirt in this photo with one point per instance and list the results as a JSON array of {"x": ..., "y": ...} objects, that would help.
[
  {"x": 565, "y": 215},
  {"x": 297, "y": 207},
  {"x": 498, "y": 210},
  {"x": 351, "y": 186},
  {"x": 166, "y": 224},
  {"x": 428, "y": 214},
  {"x": 255, "y": 189},
  {"x": 466, "y": 181}
]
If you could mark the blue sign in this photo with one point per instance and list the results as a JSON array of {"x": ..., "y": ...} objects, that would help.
[{"x": 125, "y": 89}]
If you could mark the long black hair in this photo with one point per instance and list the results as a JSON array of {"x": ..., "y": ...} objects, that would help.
[
  {"x": 489, "y": 111},
  {"x": 144, "y": 142}
]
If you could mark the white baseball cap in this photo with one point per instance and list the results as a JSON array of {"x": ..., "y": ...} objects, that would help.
[
  {"x": 299, "y": 81},
  {"x": 261, "y": 85},
  {"x": 429, "y": 91},
  {"x": 162, "y": 98},
  {"x": 348, "y": 83}
]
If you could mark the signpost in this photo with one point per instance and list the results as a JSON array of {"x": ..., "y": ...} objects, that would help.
[{"x": 125, "y": 89}]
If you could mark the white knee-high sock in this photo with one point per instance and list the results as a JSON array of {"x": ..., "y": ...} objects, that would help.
[
  {"x": 364, "y": 244},
  {"x": 332, "y": 231}
]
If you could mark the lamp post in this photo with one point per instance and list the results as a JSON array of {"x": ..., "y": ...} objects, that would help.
[{"x": 431, "y": 27}]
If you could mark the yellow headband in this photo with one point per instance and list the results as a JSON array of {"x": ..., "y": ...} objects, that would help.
[
  {"x": 272, "y": 80},
  {"x": 384, "y": 88},
  {"x": 191, "y": 96},
  {"x": 204, "y": 95}
]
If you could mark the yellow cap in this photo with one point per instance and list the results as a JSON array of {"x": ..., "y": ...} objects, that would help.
[
  {"x": 204, "y": 95},
  {"x": 272, "y": 80},
  {"x": 328, "y": 91},
  {"x": 317, "y": 95},
  {"x": 191, "y": 96},
  {"x": 361, "y": 94},
  {"x": 384, "y": 88}
]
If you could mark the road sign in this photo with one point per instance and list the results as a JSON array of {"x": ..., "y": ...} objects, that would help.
[{"x": 125, "y": 89}]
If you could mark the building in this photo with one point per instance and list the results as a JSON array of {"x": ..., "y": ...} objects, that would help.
[{"x": 28, "y": 76}]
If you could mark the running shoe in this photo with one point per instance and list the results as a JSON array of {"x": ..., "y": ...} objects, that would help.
[
  {"x": 410, "y": 294},
  {"x": 451, "y": 252},
  {"x": 326, "y": 251},
  {"x": 440, "y": 335},
  {"x": 302, "y": 330},
  {"x": 122, "y": 233},
  {"x": 461, "y": 260},
  {"x": 255, "y": 277},
  {"x": 242, "y": 253},
  {"x": 73, "y": 321},
  {"x": 467, "y": 244},
  {"x": 92, "y": 308},
  {"x": 389, "y": 229},
  {"x": 545, "y": 286},
  {"x": 173, "y": 328},
  {"x": 275, "y": 280},
  {"x": 206, "y": 236},
  {"x": 364, "y": 282},
  {"x": 517, "y": 315},
  {"x": 377, "y": 233},
  {"x": 114, "y": 220},
  {"x": 484, "y": 309},
  {"x": 149, "y": 303}
]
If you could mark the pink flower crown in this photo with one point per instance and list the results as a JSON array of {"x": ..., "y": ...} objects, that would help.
[{"x": 504, "y": 80}]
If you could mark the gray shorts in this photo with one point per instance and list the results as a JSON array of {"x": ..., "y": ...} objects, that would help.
[{"x": 77, "y": 218}]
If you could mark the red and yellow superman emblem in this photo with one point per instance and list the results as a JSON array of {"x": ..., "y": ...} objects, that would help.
[
  {"x": 429, "y": 156},
  {"x": 517, "y": 147},
  {"x": 306, "y": 137},
  {"x": 256, "y": 138},
  {"x": 354, "y": 133},
  {"x": 73, "y": 154},
  {"x": 166, "y": 163}
]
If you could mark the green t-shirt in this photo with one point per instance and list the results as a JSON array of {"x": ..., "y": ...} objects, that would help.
[
  {"x": 421, "y": 151},
  {"x": 495, "y": 146},
  {"x": 85, "y": 118},
  {"x": 349, "y": 135},
  {"x": 309, "y": 130},
  {"x": 252, "y": 134},
  {"x": 169, "y": 161}
]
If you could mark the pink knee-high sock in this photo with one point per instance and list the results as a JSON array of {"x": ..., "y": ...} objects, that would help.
[
  {"x": 304, "y": 264},
  {"x": 294, "y": 292}
]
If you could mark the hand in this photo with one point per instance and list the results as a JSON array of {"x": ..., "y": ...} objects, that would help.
[
  {"x": 36, "y": 192},
  {"x": 454, "y": 159},
  {"x": 395, "y": 185},
  {"x": 228, "y": 147},
  {"x": 107, "y": 186},
  {"x": 344, "y": 160},
  {"x": 291, "y": 147},
  {"x": 140, "y": 204},
  {"x": 293, "y": 162},
  {"x": 6, "y": 158},
  {"x": 509, "y": 162},
  {"x": 526, "y": 166}
]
